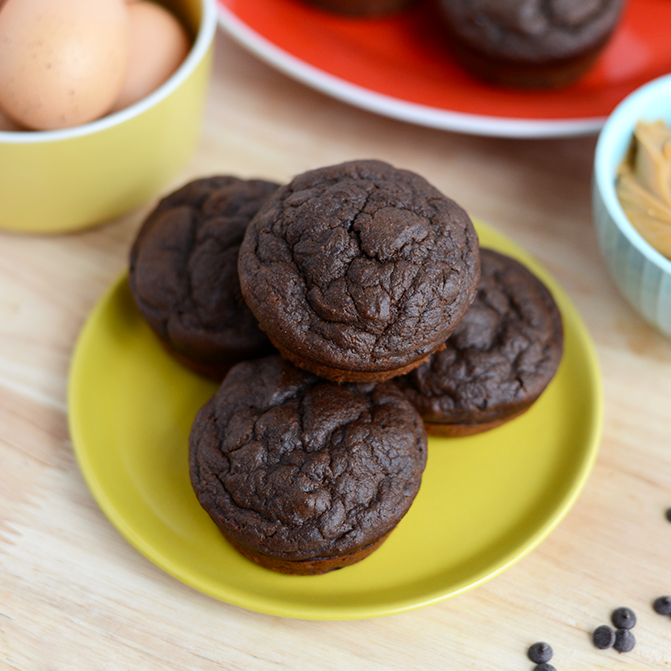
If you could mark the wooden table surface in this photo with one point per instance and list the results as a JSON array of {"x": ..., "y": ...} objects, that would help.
[{"x": 74, "y": 594}]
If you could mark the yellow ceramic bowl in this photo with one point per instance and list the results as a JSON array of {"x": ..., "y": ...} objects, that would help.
[{"x": 64, "y": 180}]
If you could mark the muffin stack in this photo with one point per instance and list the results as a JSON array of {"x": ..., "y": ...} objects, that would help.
[{"x": 366, "y": 280}]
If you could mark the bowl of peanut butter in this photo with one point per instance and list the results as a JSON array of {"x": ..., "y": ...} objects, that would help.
[{"x": 631, "y": 200}]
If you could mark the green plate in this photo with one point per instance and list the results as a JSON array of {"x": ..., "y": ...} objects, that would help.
[{"x": 485, "y": 500}]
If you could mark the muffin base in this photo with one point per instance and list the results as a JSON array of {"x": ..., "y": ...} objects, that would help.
[
  {"x": 342, "y": 375},
  {"x": 312, "y": 566},
  {"x": 363, "y": 8},
  {"x": 211, "y": 372},
  {"x": 521, "y": 74},
  {"x": 441, "y": 430}
]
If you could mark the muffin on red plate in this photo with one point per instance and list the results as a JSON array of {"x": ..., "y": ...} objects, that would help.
[
  {"x": 184, "y": 273},
  {"x": 302, "y": 475},
  {"x": 498, "y": 361},
  {"x": 529, "y": 43}
]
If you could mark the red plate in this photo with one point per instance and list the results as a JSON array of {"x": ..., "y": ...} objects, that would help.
[{"x": 402, "y": 68}]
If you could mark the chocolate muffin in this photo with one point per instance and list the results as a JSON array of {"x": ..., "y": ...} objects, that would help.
[
  {"x": 363, "y": 8},
  {"x": 359, "y": 271},
  {"x": 184, "y": 277},
  {"x": 302, "y": 475},
  {"x": 499, "y": 359},
  {"x": 529, "y": 43}
]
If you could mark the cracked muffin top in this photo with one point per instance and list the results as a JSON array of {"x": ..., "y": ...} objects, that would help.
[
  {"x": 502, "y": 355},
  {"x": 294, "y": 466},
  {"x": 359, "y": 271},
  {"x": 532, "y": 30},
  {"x": 183, "y": 272}
]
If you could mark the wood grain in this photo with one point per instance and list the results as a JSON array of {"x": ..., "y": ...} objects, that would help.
[{"x": 75, "y": 595}]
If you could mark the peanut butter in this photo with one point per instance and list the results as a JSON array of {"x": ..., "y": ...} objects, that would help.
[{"x": 644, "y": 184}]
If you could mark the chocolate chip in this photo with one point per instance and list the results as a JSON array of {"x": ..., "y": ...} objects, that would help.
[
  {"x": 603, "y": 637},
  {"x": 624, "y": 640},
  {"x": 623, "y": 618},
  {"x": 544, "y": 667},
  {"x": 540, "y": 652},
  {"x": 668, "y": 514},
  {"x": 662, "y": 605}
]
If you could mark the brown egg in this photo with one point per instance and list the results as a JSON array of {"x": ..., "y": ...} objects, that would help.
[
  {"x": 62, "y": 62},
  {"x": 8, "y": 124},
  {"x": 159, "y": 43}
]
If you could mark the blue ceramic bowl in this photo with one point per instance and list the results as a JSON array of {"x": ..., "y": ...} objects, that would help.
[{"x": 642, "y": 274}]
